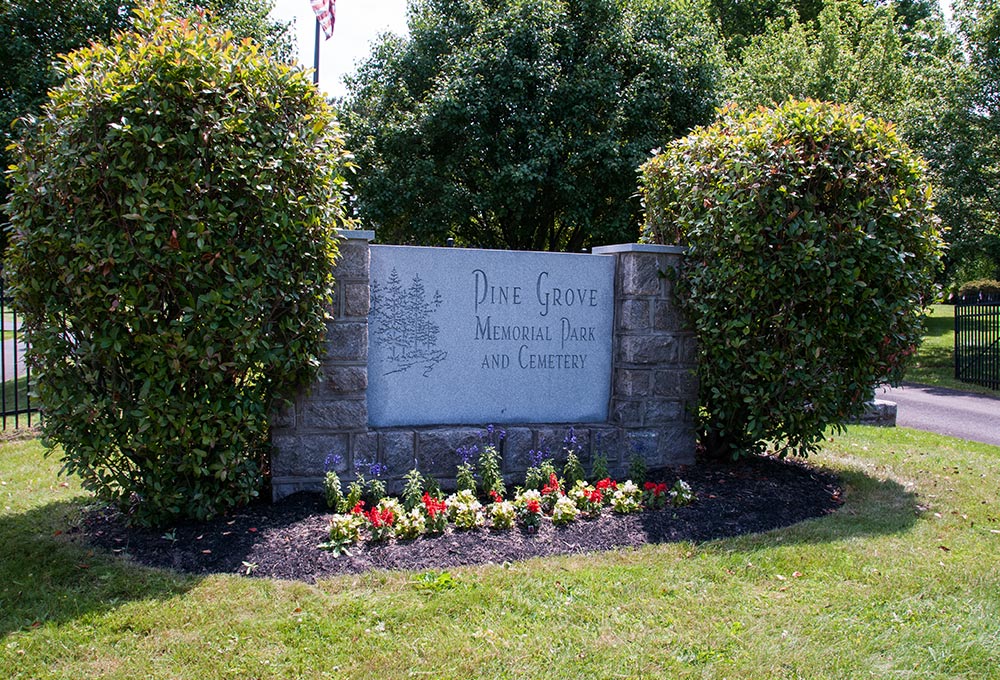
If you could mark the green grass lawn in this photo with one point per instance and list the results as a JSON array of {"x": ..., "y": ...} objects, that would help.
[
  {"x": 935, "y": 360},
  {"x": 902, "y": 581}
]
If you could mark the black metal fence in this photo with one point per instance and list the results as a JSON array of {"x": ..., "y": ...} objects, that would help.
[
  {"x": 977, "y": 340},
  {"x": 15, "y": 399}
]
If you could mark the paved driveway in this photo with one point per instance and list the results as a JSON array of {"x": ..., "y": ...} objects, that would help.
[{"x": 936, "y": 409}]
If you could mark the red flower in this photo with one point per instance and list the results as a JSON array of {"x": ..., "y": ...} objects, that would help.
[
  {"x": 657, "y": 489},
  {"x": 497, "y": 498},
  {"x": 380, "y": 518},
  {"x": 533, "y": 506},
  {"x": 359, "y": 508},
  {"x": 606, "y": 484},
  {"x": 433, "y": 505},
  {"x": 595, "y": 497},
  {"x": 552, "y": 486}
]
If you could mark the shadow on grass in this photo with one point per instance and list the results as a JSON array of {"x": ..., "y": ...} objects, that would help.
[
  {"x": 806, "y": 514},
  {"x": 937, "y": 325},
  {"x": 47, "y": 578}
]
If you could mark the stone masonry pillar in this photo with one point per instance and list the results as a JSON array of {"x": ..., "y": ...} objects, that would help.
[
  {"x": 654, "y": 385},
  {"x": 321, "y": 429}
]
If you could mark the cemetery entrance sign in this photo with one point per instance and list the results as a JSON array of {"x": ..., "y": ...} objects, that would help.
[
  {"x": 477, "y": 336},
  {"x": 426, "y": 346}
]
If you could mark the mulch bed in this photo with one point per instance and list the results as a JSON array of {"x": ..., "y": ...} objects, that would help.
[{"x": 280, "y": 539}]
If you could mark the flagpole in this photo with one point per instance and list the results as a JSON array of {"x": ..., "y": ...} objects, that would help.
[{"x": 316, "y": 57}]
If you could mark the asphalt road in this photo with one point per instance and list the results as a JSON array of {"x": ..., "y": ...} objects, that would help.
[
  {"x": 9, "y": 351},
  {"x": 935, "y": 409}
]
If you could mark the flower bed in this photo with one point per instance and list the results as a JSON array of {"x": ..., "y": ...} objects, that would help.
[{"x": 365, "y": 512}]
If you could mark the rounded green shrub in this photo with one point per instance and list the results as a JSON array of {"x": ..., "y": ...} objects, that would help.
[
  {"x": 173, "y": 215},
  {"x": 980, "y": 287},
  {"x": 812, "y": 248}
]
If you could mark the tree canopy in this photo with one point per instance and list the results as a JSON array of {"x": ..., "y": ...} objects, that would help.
[
  {"x": 34, "y": 32},
  {"x": 899, "y": 60},
  {"x": 173, "y": 210},
  {"x": 520, "y": 123}
]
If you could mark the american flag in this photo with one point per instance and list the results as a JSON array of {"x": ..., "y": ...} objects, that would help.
[{"x": 326, "y": 11}]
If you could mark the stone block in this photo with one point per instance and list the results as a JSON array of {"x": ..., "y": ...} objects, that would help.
[
  {"x": 319, "y": 452},
  {"x": 678, "y": 384},
  {"x": 626, "y": 413},
  {"x": 354, "y": 261},
  {"x": 878, "y": 412},
  {"x": 284, "y": 454},
  {"x": 282, "y": 487},
  {"x": 642, "y": 443},
  {"x": 667, "y": 316},
  {"x": 340, "y": 380},
  {"x": 437, "y": 449},
  {"x": 648, "y": 349},
  {"x": 556, "y": 439},
  {"x": 675, "y": 446},
  {"x": 357, "y": 298},
  {"x": 347, "y": 341},
  {"x": 640, "y": 274},
  {"x": 634, "y": 315},
  {"x": 630, "y": 382},
  {"x": 516, "y": 449},
  {"x": 364, "y": 450},
  {"x": 606, "y": 442},
  {"x": 661, "y": 412},
  {"x": 687, "y": 354},
  {"x": 397, "y": 452},
  {"x": 339, "y": 415},
  {"x": 283, "y": 417}
]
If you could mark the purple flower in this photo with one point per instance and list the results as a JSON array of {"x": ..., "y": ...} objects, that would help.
[
  {"x": 332, "y": 461},
  {"x": 536, "y": 456},
  {"x": 493, "y": 436},
  {"x": 569, "y": 441},
  {"x": 371, "y": 467},
  {"x": 466, "y": 453}
]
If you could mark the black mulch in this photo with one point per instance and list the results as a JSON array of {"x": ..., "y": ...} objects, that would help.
[{"x": 280, "y": 539}]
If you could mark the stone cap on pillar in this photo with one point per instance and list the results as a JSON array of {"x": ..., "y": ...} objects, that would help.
[
  {"x": 638, "y": 248},
  {"x": 356, "y": 234}
]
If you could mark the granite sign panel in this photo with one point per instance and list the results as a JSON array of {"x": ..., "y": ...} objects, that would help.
[{"x": 463, "y": 336}]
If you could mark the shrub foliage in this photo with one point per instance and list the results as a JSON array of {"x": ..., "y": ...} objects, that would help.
[
  {"x": 980, "y": 287},
  {"x": 812, "y": 249},
  {"x": 173, "y": 211}
]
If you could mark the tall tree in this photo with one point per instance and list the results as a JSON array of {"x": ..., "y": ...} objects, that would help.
[
  {"x": 34, "y": 32},
  {"x": 973, "y": 154},
  {"x": 520, "y": 123},
  {"x": 852, "y": 54},
  {"x": 910, "y": 69},
  {"x": 740, "y": 20}
]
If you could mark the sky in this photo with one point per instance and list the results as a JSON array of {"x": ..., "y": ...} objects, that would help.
[{"x": 358, "y": 23}]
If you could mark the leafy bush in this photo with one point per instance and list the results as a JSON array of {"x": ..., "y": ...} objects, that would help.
[
  {"x": 489, "y": 471},
  {"x": 812, "y": 249},
  {"x": 465, "y": 510},
  {"x": 503, "y": 515},
  {"x": 413, "y": 490},
  {"x": 173, "y": 212},
  {"x": 984, "y": 287},
  {"x": 564, "y": 511}
]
